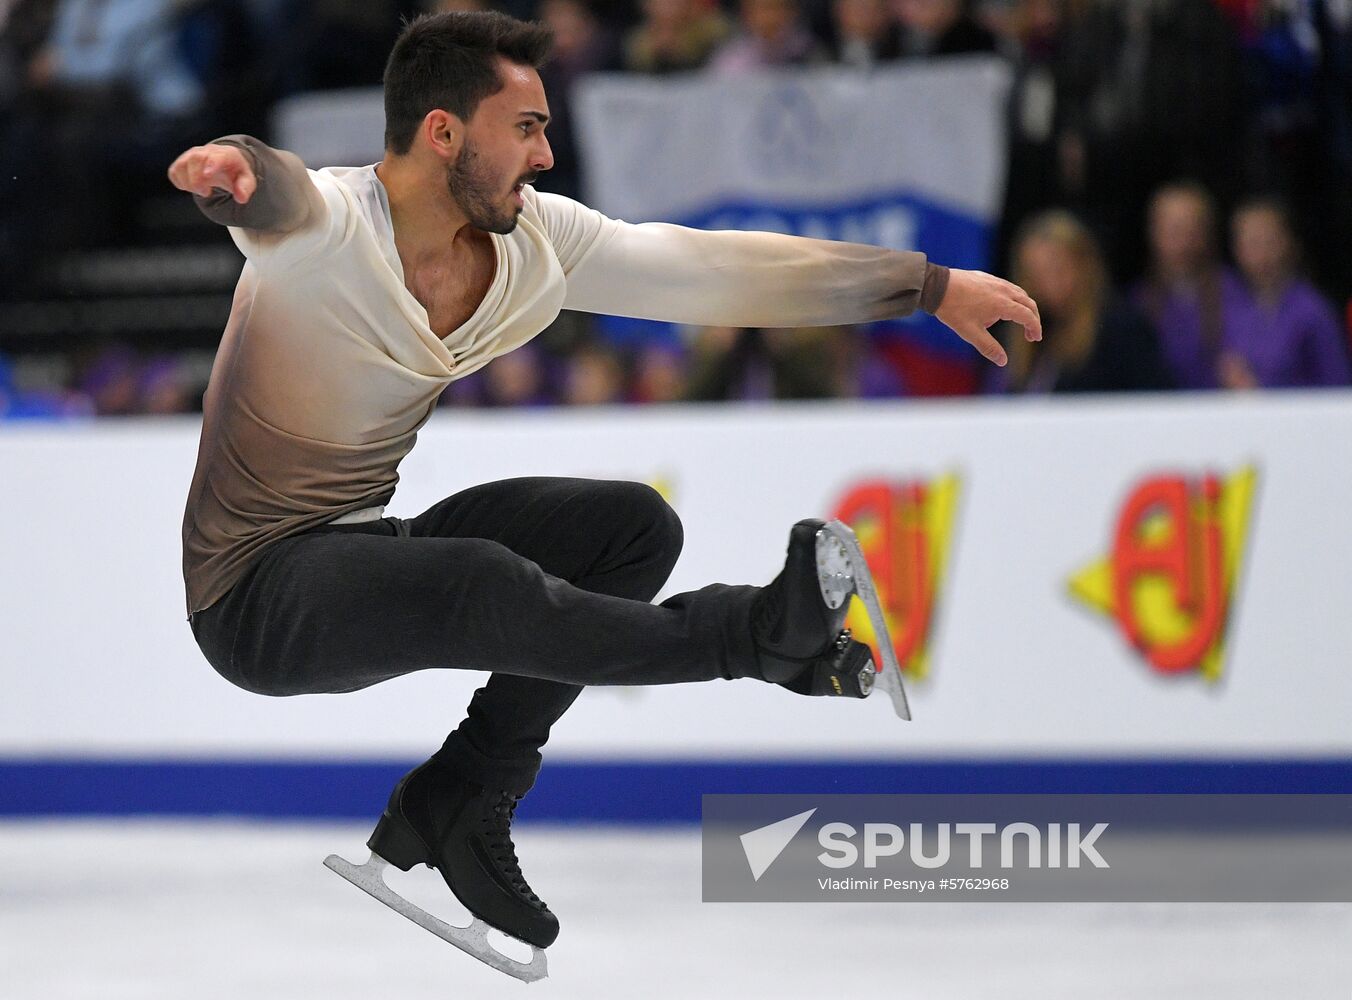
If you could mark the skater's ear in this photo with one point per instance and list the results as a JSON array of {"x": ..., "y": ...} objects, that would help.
[{"x": 443, "y": 133}]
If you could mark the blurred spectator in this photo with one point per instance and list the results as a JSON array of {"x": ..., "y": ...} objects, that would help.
[
  {"x": 919, "y": 356},
  {"x": 1188, "y": 294},
  {"x": 1033, "y": 180},
  {"x": 1092, "y": 341},
  {"x": 163, "y": 387},
  {"x": 117, "y": 48},
  {"x": 659, "y": 374},
  {"x": 1298, "y": 68},
  {"x": 1000, "y": 18},
  {"x": 1111, "y": 99},
  {"x": 24, "y": 28},
  {"x": 864, "y": 33},
  {"x": 594, "y": 377},
  {"x": 222, "y": 46},
  {"x": 770, "y": 33},
  {"x": 1284, "y": 332},
  {"x": 28, "y": 404},
  {"x": 726, "y": 364},
  {"x": 330, "y": 44},
  {"x": 875, "y": 378},
  {"x": 582, "y": 45},
  {"x": 515, "y": 379},
  {"x": 1147, "y": 91},
  {"x": 939, "y": 28},
  {"x": 106, "y": 92},
  {"x": 1334, "y": 24},
  {"x": 112, "y": 380},
  {"x": 1281, "y": 57},
  {"x": 809, "y": 363},
  {"x": 675, "y": 36}
]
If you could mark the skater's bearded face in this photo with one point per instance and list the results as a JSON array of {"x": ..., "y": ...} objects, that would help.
[{"x": 504, "y": 149}]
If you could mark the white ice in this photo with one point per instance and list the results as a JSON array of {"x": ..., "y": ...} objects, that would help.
[{"x": 204, "y": 910}]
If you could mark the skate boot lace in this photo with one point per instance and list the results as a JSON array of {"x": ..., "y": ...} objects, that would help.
[{"x": 497, "y": 824}]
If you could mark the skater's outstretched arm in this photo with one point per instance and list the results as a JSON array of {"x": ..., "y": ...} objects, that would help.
[
  {"x": 264, "y": 195},
  {"x": 672, "y": 273}
]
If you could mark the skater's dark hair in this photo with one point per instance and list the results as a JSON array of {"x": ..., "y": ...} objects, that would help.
[{"x": 450, "y": 62}]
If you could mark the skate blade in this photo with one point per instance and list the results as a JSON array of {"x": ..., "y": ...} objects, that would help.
[
  {"x": 842, "y": 571},
  {"x": 473, "y": 940}
]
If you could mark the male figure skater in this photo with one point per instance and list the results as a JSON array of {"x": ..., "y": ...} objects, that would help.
[{"x": 364, "y": 293}]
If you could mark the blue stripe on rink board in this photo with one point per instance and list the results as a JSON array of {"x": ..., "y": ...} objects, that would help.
[{"x": 604, "y": 792}]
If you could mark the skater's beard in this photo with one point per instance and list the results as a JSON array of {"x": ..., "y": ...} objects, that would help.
[{"x": 474, "y": 188}]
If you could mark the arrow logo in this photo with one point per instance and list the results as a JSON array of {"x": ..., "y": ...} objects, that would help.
[{"x": 762, "y": 846}]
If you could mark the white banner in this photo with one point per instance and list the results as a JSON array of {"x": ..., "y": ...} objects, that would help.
[{"x": 660, "y": 148}]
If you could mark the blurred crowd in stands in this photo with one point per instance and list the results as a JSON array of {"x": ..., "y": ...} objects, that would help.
[{"x": 1179, "y": 197}]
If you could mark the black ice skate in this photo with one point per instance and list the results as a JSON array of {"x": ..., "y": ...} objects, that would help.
[
  {"x": 464, "y": 832},
  {"x": 797, "y": 620}
]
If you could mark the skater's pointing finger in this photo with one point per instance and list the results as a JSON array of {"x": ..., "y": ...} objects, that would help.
[
  {"x": 988, "y": 346},
  {"x": 1023, "y": 298},
  {"x": 183, "y": 173},
  {"x": 1026, "y": 317}
]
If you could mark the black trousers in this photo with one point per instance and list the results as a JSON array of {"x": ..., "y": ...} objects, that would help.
[{"x": 544, "y": 582}]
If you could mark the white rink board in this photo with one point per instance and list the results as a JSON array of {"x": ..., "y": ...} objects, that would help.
[{"x": 99, "y": 660}]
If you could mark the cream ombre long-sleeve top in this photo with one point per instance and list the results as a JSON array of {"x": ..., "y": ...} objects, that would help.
[{"x": 328, "y": 367}]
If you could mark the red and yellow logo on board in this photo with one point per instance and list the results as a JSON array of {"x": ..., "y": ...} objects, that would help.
[
  {"x": 906, "y": 530},
  {"x": 1170, "y": 576}
]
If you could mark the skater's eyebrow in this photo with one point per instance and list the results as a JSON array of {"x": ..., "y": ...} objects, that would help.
[{"x": 539, "y": 116}]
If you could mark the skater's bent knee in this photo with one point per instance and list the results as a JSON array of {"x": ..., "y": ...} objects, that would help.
[
  {"x": 255, "y": 682},
  {"x": 672, "y": 531},
  {"x": 661, "y": 525}
]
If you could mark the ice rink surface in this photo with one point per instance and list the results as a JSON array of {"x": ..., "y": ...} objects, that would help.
[{"x": 206, "y": 910}]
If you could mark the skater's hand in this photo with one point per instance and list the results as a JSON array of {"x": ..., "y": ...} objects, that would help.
[
  {"x": 975, "y": 301},
  {"x": 204, "y": 169},
  {"x": 1233, "y": 372}
]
